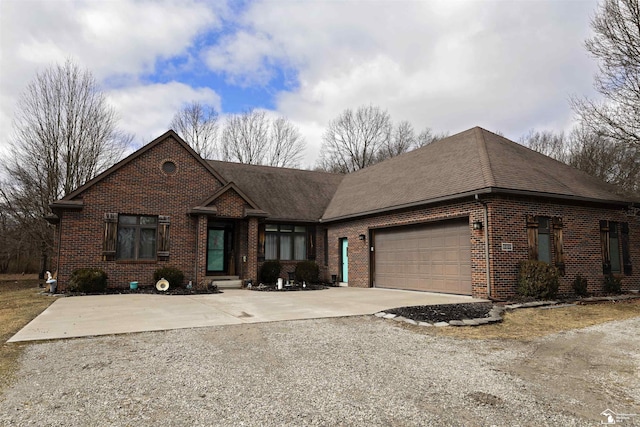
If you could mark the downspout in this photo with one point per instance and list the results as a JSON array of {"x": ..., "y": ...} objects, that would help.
[
  {"x": 197, "y": 249},
  {"x": 59, "y": 245},
  {"x": 486, "y": 243}
]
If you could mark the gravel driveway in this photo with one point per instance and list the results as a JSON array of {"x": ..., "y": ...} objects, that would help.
[{"x": 342, "y": 371}]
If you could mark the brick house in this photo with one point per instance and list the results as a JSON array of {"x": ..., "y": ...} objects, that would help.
[{"x": 456, "y": 216}]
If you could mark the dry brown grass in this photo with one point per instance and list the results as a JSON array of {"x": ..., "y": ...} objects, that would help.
[
  {"x": 20, "y": 302},
  {"x": 529, "y": 323}
]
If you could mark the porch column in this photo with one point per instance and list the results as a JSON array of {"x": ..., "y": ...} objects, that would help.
[
  {"x": 252, "y": 255},
  {"x": 201, "y": 249}
]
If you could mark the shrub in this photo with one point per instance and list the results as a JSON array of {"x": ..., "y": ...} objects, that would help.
[
  {"x": 538, "y": 279},
  {"x": 174, "y": 276},
  {"x": 270, "y": 271},
  {"x": 307, "y": 271},
  {"x": 612, "y": 285},
  {"x": 580, "y": 285},
  {"x": 88, "y": 280}
]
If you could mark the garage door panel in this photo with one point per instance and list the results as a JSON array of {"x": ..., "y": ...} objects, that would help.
[{"x": 436, "y": 258}]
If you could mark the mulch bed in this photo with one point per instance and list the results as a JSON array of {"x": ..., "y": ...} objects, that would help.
[
  {"x": 287, "y": 288},
  {"x": 151, "y": 290},
  {"x": 444, "y": 312}
]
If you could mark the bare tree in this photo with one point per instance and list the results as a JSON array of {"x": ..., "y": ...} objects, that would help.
[
  {"x": 427, "y": 136},
  {"x": 616, "y": 46},
  {"x": 251, "y": 137},
  {"x": 244, "y": 138},
  {"x": 594, "y": 153},
  {"x": 403, "y": 139},
  {"x": 548, "y": 143},
  {"x": 605, "y": 158},
  {"x": 285, "y": 144},
  {"x": 354, "y": 140},
  {"x": 64, "y": 134},
  {"x": 197, "y": 124}
]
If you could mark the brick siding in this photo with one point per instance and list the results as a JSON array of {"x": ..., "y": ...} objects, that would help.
[
  {"x": 139, "y": 187},
  {"x": 507, "y": 224}
]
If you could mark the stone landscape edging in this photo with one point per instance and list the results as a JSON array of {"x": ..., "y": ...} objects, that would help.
[{"x": 495, "y": 314}]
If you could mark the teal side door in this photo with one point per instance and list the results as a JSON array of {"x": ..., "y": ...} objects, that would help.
[{"x": 344, "y": 256}]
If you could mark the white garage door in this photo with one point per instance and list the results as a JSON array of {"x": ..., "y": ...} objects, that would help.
[{"x": 435, "y": 257}]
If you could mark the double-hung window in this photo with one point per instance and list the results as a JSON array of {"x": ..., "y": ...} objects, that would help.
[
  {"x": 137, "y": 236},
  {"x": 285, "y": 242}
]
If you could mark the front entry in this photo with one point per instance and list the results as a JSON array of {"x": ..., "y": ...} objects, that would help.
[
  {"x": 344, "y": 260},
  {"x": 220, "y": 257}
]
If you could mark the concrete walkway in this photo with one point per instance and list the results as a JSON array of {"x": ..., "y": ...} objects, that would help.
[{"x": 117, "y": 314}]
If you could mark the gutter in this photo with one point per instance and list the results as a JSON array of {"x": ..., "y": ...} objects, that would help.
[{"x": 474, "y": 193}]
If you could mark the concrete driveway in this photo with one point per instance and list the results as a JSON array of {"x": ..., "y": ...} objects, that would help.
[{"x": 117, "y": 314}]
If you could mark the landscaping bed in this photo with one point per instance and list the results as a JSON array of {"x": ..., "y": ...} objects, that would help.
[
  {"x": 287, "y": 288},
  {"x": 444, "y": 312},
  {"x": 152, "y": 290}
]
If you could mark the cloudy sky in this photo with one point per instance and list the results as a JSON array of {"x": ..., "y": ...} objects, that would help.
[{"x": 508, "y": 66}]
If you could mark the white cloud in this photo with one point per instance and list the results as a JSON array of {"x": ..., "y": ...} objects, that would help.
[
  {"x": 449, "y": 65},
  {"x": 146, "y": 111},
  {"x": 507, "y": 66},
  {"x": 111, "y": 38}
]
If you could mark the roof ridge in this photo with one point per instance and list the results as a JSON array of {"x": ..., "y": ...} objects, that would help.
[
  {"x": 279, "y": 168},
  {"x": 485, "y": 161}
]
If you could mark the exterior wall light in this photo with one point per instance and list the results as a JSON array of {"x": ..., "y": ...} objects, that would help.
[
  {"x": 477, "y": 225},
  {"x": 362, "y": 237}
]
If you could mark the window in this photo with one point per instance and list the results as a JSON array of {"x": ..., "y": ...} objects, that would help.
[
  {"x": 137, "y": 237},
  {"x": 285, "y": 242},
  {"x": 544, "y": 240},
  {"x": 616, "y": 257},
  {"x": 544, "y": 235}
]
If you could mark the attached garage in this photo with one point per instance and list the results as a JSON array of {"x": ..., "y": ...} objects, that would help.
[{"x": 434, "y": 257}]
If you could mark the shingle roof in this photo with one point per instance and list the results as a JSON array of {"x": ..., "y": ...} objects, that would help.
[
  {"x": 285, "y": 194},
  {"x": 474, "y": 161}
]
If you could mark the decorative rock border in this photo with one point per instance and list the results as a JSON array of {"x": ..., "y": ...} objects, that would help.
[
  {"x": 495, "y": 314},
  {"x": 494, "y": 317}
]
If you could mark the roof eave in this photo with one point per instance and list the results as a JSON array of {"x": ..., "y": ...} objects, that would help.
[
  {"x": 203, "y": 210},
  {"x": 67, "y": 204},
  {"x": 486, "y": 190}
]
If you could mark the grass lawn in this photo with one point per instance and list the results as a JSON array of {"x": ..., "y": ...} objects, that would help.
[
  {"x": 20, "y": 302},
  {"x": 529, "y": 323}
]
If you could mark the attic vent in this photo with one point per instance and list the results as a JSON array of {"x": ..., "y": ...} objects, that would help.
[{"x": 169, "y": 167}]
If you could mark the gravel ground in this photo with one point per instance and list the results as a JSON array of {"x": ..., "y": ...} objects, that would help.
[{"x": 346, "y": 371}]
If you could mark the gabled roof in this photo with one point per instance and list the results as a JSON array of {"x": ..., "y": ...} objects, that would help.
[
  {"x": 470, "y": 162},
  {"x": 252, "y": 210},
  {"x": 135, "y": 155},
  {"x": 285, "y": 194}
]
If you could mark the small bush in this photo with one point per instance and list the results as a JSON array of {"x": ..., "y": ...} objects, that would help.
[
  {"x": 612, "y": 285},
  {"x": 307, "y": 271},
  {"x": 270, "y": 271},
  {"x": 580, "y": 286},
  {"x": 174, "y": 276},
  {"x": 88, "y": 281},
  {"x": 538, "y": 280}
]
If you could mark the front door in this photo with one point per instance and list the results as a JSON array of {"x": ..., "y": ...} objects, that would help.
[
  {"x": 344, "y": 259},
  {"x": 219, "y": 249}
]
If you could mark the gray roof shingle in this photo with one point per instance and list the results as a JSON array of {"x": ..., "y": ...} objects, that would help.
[
  {"x": 461, "y": 164},
  {"x": 285, "y": 194}
]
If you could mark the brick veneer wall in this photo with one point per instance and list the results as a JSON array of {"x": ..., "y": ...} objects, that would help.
[
  {"x": 581, "y": 242},
  {"x": 230, "y": 205},
  {"x": 138, "y": 188},
  {"x": 359, "y": 251},
  {"x": 507, "y": 224}
]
